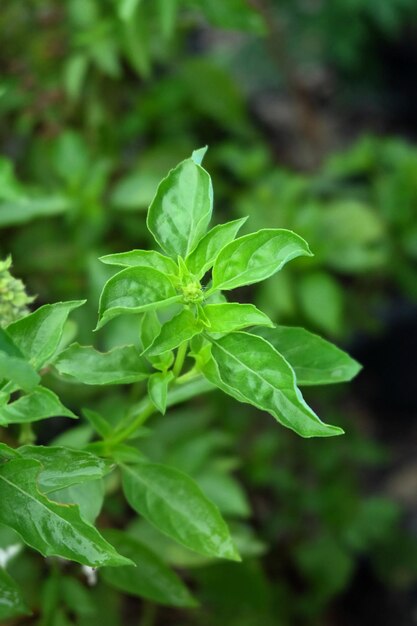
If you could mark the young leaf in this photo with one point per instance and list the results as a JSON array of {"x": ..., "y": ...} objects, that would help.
[
  {"x": 151, "y": 578},
  {"x": 229, "y": 316},
  {"x": 119, "y": 366},
  {"x": 252, "y": 370},
  {"x": 314, "y": 360},
  {"x": 158, "y": 390},
  {"x": 11, "y": 600},
  {"x": 173, "y": 333},
  {"x": 199, "y": 154},
  {"x": 149, "y": 329},
  {"x": 204, "y": 255},
  {"x": 134, "y": 290},
  {"x": 142, "y": 258},
  {"x": 64, "y": 467},
  {"x": 18, "y": 371},
  {"x": 181, "y": 210},
  {"x": 38, "y": 335},
  {"x": 257, "y": 256},
  {"x": 37, "y": 405},
  {"x": 174, "y": 503},
  {"x": 50, "y": 528}
]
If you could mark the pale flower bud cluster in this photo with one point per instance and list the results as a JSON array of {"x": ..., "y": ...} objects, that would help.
[{"x": 14, "y": 300}]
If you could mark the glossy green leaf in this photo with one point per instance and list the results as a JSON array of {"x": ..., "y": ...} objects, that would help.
[
  {"x": 173, "y": 333},
  {"x": 151, "y": 578},
  {"x": 11, "y": 600},
  {"x": 50, "y": 528},
  {"x": 181, "y": 211},
  {"x": 118, "y": 366},
  {"x": 18, "y": 371},
  {"x": 174, "y": 503},
  {"x": 229, "y": 316},
  {"x": 257, "y": 256},
  {"x": 64, "y": 467},
  {"x": 252, "y": 370},
  {"x": 314, "y": 360},
  {"x": 38, "y": 335},
  {"x": 134, "y": 290},
  {"x": 158, "y": 389},
  {"x": 37, "y": 405},
  {"x": 204, "y": 255},
  {"x": 142, "y": 258},
  {"x": 88, "y": 497}
]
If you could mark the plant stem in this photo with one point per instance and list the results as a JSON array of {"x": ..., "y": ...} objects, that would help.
[
  {"x": 134, "y": 425},
  {"x": 179, "y": 361},
  {"x": 26, "y": 435}
]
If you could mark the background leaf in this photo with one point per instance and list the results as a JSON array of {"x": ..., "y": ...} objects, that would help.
[
  {"x": 174, "y": 503},
  {"x": 151, "y": 578}
]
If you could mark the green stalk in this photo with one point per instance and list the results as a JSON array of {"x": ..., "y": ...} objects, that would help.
[{"x": 179, "y": 361}]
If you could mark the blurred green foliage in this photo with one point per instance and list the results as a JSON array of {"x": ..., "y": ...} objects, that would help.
[{"x": 98, "y": 99}]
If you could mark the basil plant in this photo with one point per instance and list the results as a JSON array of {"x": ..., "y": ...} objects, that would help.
[{"x": 194, "y": 337}]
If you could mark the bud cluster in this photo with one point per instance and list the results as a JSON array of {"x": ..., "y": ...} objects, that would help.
[{"x": 14, "y": 300}]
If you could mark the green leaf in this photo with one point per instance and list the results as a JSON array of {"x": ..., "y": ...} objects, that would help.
[
  {"x": 119, "y": 366},
  {"x": 151, "y": 578},
  {"x": 314, "y": 360},
  {"x": 11, "y": 600},
  {"x": 229, "y": 316},
  {"x": 181, "y": 210},
  {"x": 127, "y": 9},
  {"x": 23, "y": 210},
  {"x": 174, "y": 503},
  {"x": 38, "y": 335},
  {"x": 257, "y": 256},
  {"x": 50, "y": 528},
  {"x": 88, "y": 497},
  {"x": 252, "y": 371},
  {"x": 18, "y": 371},
  {"x": 7, "y": 345},
  {"x": 149, "y": 329},
  {"x": 142, "y": 258},
  {"x": 64, "y": 467},
  {"x": 134, "y": 290},
  {"x": 37, "y": 405},
  {"x": 7, "y": 452},
  {"x": 204, "y": 255},
  {"x": 158, "y": 389},
  {"x": 199, "y": 154},
  {"x": 314, "y": 290},
  {"x": 98, "y": 422},
  {"x": 173, "y": 333}
]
